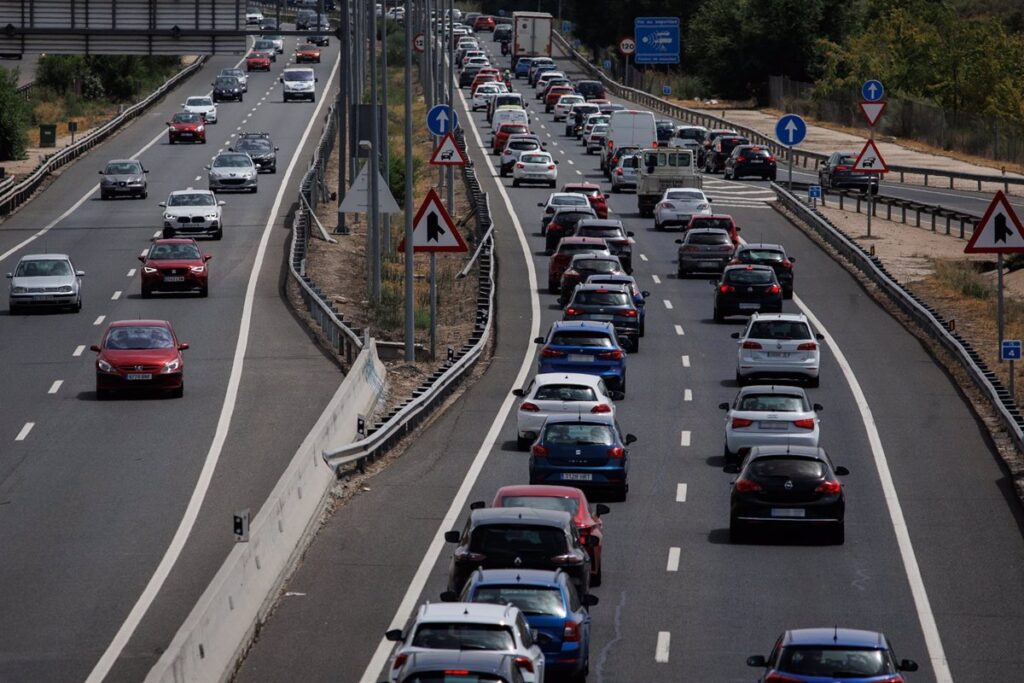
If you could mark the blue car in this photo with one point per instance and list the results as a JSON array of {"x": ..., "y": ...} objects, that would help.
[
  {"x": 585, "y": 346},
  {"x": 820, "y": 655},
  {"x": 552, "y": 607},
  {"x": 586, "y": 450},
  {"x": 639, "y": 296},
  {"x": 522, "y": 68}
]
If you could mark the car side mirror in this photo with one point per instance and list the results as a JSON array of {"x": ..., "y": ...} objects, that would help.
[
  {"x": 908, "y": 665},
  {"x": 818, "y": 407},
  {"x": 316, "y": 80},
  {"x": 477, "y": 505},
  {"x": 819, "y": 336},
  {"x": 452, "y": 536},
  {"x": 589, "y": 600},
  {"x": 792, "y": 259},
  {"x": 556, "y": 162},
  {"x": 630, "y": 233},
  {"x": 449, "y": 596},
  {"x": 540, "y": 204},
  {"x": 207, "y": 257},
  {"x": 162, "y": 204},
  {"x": 645, "y": 293},
  {"x": 757, "y": 660},
  {"x": 168, "y": 123},
  {"x": 10, "y": 275},
  {"x": 142, "y": 259},
  {"x": 276, "y": 148},
  {"x": 281, "y": 79},
  {"x": 630, "y": 438},
  {"x": 221, "y": 203},
  {"x": 601, "y": 509},
  {"x": 95, "y": 347},
  {"x": 79, "y": 273},
  {"x": 183, "y": 346},
  {"x": 710, "y": 200},
  {"x": 841, "y": 471},
  {"x": 735, "y": 335},
  {"x": 100, "y": 172},
  {"x": 230, "y": 149},
  {"x": 617, "y": 395},
  {"x": 606, "y": 196},
  {"x": 395, "y": 635},
  {"x": 739, "y": 229},
  {"x": 538, "y": 340},
  {"x": 518, "y": 392},
  {"x": 723, "y": 406},
  {"x": 679, "y": 241}
]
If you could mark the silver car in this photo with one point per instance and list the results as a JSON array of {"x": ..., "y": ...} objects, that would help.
[
  {"x": 596, "y": 138},
  {"x": 778, "y": 346},
  {"x": 242, "y": 77},
  {"x": 45, "y": 280},
  {"x": 704, "y": 249},
  {"x": 764, "y": 415},
  {"x": 124, "y": 177},
  {"x": 535, "y": 167},
  {"x": 233, "y": 171},
  {"x": 626, "y": 173},
  {"x": 193, "y": 212},
  {"x": 678, "y": 205}
]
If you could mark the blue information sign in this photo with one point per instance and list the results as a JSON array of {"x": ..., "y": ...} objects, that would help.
[
  {"x": 1011, "y": 349},
  {"x": 442, "y": 119},
  {"x": 666, "y": 90},
  {"x": 872, "y": 90},
  {"x": 814, "y": 192},
  {"x": 790, "y": 130},
  {"x": 657, "y": 40}
]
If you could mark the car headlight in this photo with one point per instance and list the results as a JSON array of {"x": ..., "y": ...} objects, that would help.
[
  {"x": 168, "y": 216},
  {"x": 19, "y": 290},
  {"x": 200, "y": 129},
  {"x": 174, "y": 129},
  {"x": 104, "y": 366},
  {"x": 171, "y": 365},
  {"x": 66, "y": 289},
  {"x": 148, "y": 271},
  {"x": 211, "y": 216},
  {"x": 198, "y": 269}
]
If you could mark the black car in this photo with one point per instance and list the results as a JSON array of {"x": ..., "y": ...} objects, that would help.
[
  {"x": 574, "y": 127},
  {"x": 664, "y": 131},
  {"x": 467, "y": 75},
  {"x": 502, "y": 32},
  {"x": 787, "y": 485},
  {"x": 746, "y": 160},
  {"x": 837, "y": 172},
  {"x": 510, "y": 538},
  {"x": 582, "y": 266},
  {"x": 619, "y": 241},
  {"x": 563, "y": 224},
  {"x": 269, "y": 24},
  {"x": 607, "y": 303},
  {"x": 709, "y": 139},
  {"x": 628, "y": 281},
  {"x": 320, "y": 40},
  {"x": 772, "y": 255},
  {"x": 591, "y": 90},
  {"x": 721, "y": 148},
  {"x": 260, "y": 148},
  {"x": 745, "y": 289},
  {"x": 227, "y": 88},
  {"x": 304, "y": 19}
]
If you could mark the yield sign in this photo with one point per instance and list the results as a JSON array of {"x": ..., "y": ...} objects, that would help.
[
  {"x": 433, "y": 229},
  {"x": 870, "y": 160},
  {"x": 448, "y": 153},
  {"x": 872, "y": 111},
  {"x": 999, "y": 231}
]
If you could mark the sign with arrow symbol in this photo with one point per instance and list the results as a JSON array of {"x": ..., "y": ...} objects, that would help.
[
  {"x": 790, "y": 130},
  {"x": 999, "y": 231},
  {"x": 872, "y": 90},
  {"x": 442, "y": 119},
  {"x": 433, "y": 229}
]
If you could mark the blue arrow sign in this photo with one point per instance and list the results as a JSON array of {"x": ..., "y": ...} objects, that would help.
[
  {"x": 666, "y": 90},
  {"x": 872, "y": 90},
  {"x": 1011, "y": 349},
  {"x": 791, "y": 130},
  {"x": 442, "y": 119}
]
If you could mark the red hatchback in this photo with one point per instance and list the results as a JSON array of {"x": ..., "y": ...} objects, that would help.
[
  {"x": 592, "y": 191},
  {"x": 186, "y": 126},
  {"x": 139, "y": 354},
  {"x": 563, "y": 499},
  {"x": 307, "y": 53},
  {"x": 721, "y": 221},
  {"x": 484, "y": 23},
  {"x": 257, "y": 61},
  {"x": 175, "y": 265}
]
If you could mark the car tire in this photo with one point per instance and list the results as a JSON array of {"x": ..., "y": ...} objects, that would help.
[
  {"x": 740, "y": 380},
  {"x": 255, "y": 190},
  {"x": 179, "y": 391},
  {"x": 657, "y": 225},
  {"x": 615, "y": 189},
  {"x": 772, "y": 177},
  {"x": 503, "y": 173},
  {"x": 77, "y": 308},
  {"x": 104, "y": 196},
  {"x": 595, "y": 580},
  {"x": 219, "y": 234},
  {"x": 204, "y": 292},
  {"x": 814, "y": 382},
  {"x": 515, "y": 183},
  {"x": 552, "y": 289},
  {"x": 636, "y": 345},
  {"x": 837, "y": 534},
  {"x": 147, "y": 293},
  {"x": 787, "y": 293},
  {"x": 170, "y": 141},
  {"x": 168, "y": 233},
  {"x": 622, "y": 493},
  {"x": 102, "y": 394},
  {"x": 622, "y": 383},
  {"x": 552, "y": 184},
  {"x": 144, "y": 195},
  {"x": 728, "y": 455},
  {"x": 726, "y": 176},
  {"x": 719, "y": 318},
  {"x": 737, "y": 531},
  {"x": 522, "y": 443}
]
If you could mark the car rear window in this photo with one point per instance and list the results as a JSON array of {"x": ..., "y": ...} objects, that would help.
[
  {"x": 594, "y": 231},
  {"x": 789, "y": 468},
  {"x": 555, "y": 503},
  {"x": 463, "y": 637},
  {"x": 578, "y": 434},
  {"x": 714, "y": 223},
  {"x": 774, "y": 403},
  {"x": 535, "y": 159},
  {"x": 743, "y": 276},
  {"x": 761, "y": 256},
  {"x": 525, "y": 144},
  {"x": 574, "y": 216},
  {"x": 565, "y": 392},
  {"x": 779, "y": 329},
  {"x": 847, "y": 159},
  {"x": 687, "y": 195},
  {"x": 592, "y": 298},
  {"x": 835, "y": 662},
  {"x": 707, "y": 238},
  {"x": 509, "y": 540},
  {"x": 582, "y": 339},
  {"x": 690, "y": 134},
  {"x": 531, "y": 600},
  {"x": 574, "y": 199}
]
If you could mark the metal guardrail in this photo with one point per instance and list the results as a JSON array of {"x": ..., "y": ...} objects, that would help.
[
  {"x": 927, "y": 318},
  {"x": 406, "y": 417},
  {"x": 15, "y": 196},
  {"x": 801, "y": 158},
  {"x": 26, "y": 90}
]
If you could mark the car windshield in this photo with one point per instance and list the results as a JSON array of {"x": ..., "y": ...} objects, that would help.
[
  {"x": 523, "y": 145},
  {"x": 513, "y": 129},
  {"x": 264, "y": 45},
  {"x": 564, "y": 392},
  {"x": 237, "y": 73},
  {"x": 536, "y": 159},
  {"x": 779, "y": 329},
  {"x": 691, "y": 133},
  {"x": 510, "y": 540},
  {"x": 301, "y": 75},
  {"x": 253, "y": 145},
  {"x": 578, "y": 434},
  {"x": 582, "y": 338},
  {"x": 848, "y": 159},
  {"x": 461, "y": 636},
  {"x": 787, "y": 467},
  {"x": 187, "y": 117},
  {"x": 123, "y": 168},
  {"x": 532, "y": 600},
  {"x": 761, "y": 256},
  {"x": 191, "y": 200},
  {"x": 555, "y": 503},
  {"x": 573, "y": 216},
  {"x": 43, "y": 268},
  {"x": 227, "y": 82},
  {"x": 232, "y": 161},
  {"x": 593, "y": 298},
  {"x": 686, "y": 196},
  {"x": 199, "y": 102},
  {"x": 773, "y": 403},
  {"x": 713, "y": 223},
  {"x": 175, "y": 252},
  {"x": 742, "y": 276},
  {"x": 835, "y": 662},
  {"x": 141, "y": 337},
  {"x": 707, "y": 238}
]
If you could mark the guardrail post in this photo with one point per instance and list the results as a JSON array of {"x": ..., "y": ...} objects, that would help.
[
  {"x": 919, "y": 217},
  {"x": 926, "y": 180},
  {"x": 858, "y": 203},
  {"x": 948, "y": 219},
  {"x": 841, "y": 198},
  {"x": 888, "y": 211},
  {"x": 951, "y": 182},
  {"x": 961, "y": 227},
  {"x": 933, "y": 221}
]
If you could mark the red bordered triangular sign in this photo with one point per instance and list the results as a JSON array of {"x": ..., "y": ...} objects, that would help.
[
  {"x": 448, "y": 153},
  {"x": 872, "y": 111},
  {"x": 433, "y": 229},
  {"x": 999, "y": 231},
  {"x": 870, "y": 160}
]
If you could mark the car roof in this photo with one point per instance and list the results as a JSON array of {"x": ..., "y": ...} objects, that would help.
[
  {"x": 132, "y": 161},
  {"x": 464, "y": 611},
  {"x": 600, "y": 223},
  {"x": 545, "y": 490},
  {"x": 592, "y": 287},
  {"x": 748, "y": 266},
  {"x": 585, "y": 325},
  {"x": 535, "y": 577},
  {"x": 140, "y": 323},
  {"x": 816, "y": 452},
  {"x": 175, "y": 240},
  {"x": 584, "y": 255},
  {"x": 552, "y": 518},
  {"x": 562, "y": 377},
  {"x": 586, "y": 418},
  {"x": 711, "y": 216},
  {"x": 594, "y": 241},
  {"x": 762, "y": 245},
  {"x": 706, "y": 231},
  {"x": 790, "y": 317},
  {"x": 835, "y": 636},
  {"x": 554, "y": 195},
  {"x": 193, "y": 191},
  {"x": 45, "y": 257}
]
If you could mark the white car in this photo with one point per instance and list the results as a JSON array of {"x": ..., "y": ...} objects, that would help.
[
  {"x": 253, "y": 17},
  {"x": 596, "y": 137},
  {"x": 516, "y": 146},
  {"x": 468, "y": 626},
  {"x": 564, "y": 104},
  {"x": 476, "y": 63},
  {"x": 509, "y": 113},
  {"x": 558, "y": 200},
  {"x": 484, "y": 93},
  {"x": 555, "y": 393},
  {"x": 535, "y": 167},
  {"x": 778, "y": 345},
  {"x": 542, "y": 81},
  {"x": 472, "y": 53},
  {"x": 590, "y": 122},
  {"x": 193, "y": 212},
  {"x": 765, "y": 415},
  {"x": 678, "y": 205},
  {"x": 201, "y": 105}
]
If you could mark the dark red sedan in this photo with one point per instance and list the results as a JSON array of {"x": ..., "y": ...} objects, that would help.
[
  {"x": 139, "y": 354},
  {"x": 565, "y": 499},
  {"x": 484, "y": 23},
  {"x": 175, "y": 265},
  {"x": 186, "y": 126},
  {"x": 719, "y": 221},
  {"x": 307, "y": 53},
  {"x": 257, "y": 61},
  {"x": 598, "y": 199}
]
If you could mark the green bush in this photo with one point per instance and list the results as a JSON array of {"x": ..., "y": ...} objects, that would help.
[{"x": 15, "y": 118}]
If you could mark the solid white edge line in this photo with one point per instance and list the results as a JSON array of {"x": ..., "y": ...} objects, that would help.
[
  {"x": 458, "y": 506},
  {"x": 680, "y": 493},
  {"x": 673, "y": 560},
  {"x": 661, "y": 649},
  {"x": 23, "y": 434},
  {"x": 55, "y": 387},
  {"x": 191, "y": 514}
]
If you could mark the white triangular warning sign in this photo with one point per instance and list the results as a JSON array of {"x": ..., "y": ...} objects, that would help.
[
  {"x": 357, "y": 198},
  {"x": 999, "y": 231},
  {"x": 433, "y": 229},
  {"x": 448, "y": 153},
  {"x": 870, "y": 160},
  {"x": 872, "y": 111}
]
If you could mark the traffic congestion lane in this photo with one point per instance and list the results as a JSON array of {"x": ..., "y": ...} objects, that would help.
[{"x": 145, "y": 455}]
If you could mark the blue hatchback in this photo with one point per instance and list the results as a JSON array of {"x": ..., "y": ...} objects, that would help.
[
  {"x": 551, "y": 605},
  {"x": 822, "y": 655},
  {"x": 585, "y": 346},
  {"x": 587, "y": 451},
  {"x": 523, "y": 67}
]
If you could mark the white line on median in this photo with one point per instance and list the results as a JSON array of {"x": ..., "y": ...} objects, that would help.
[
  {"x": 643, "y": 257},
  {"x": 572, "y": 162},
  {"x": 24, "y": 431},
  {"x": 657, "y": 280},
  {"x": 679, "y": 328},
  {"x": 673, "y": 560},
  {"x": 686, "y": 361},
  {"x": 684, "y": 438},
  {"x": 55, "y": 387},
  {"x": 687, "y": 395},
  {"x": 680, "y": 493},
  {"x": 131, "y": 272},
  {"x": 661, "y": 649},
  {"x": 668, "y": 305},
  {"x": 78, "y": 350},
  {"x": 116, "y": 295}
]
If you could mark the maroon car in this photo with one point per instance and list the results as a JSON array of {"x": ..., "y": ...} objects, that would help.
[
  {"x": 139, "y": 354},
  {"x": 175, "y": 265},
  {"x": 257, "y": 61},
  {"x": 186, "y": 126}
]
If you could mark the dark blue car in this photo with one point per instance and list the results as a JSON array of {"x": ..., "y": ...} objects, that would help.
[
  {"x": 551, "y": 605},
  {"x": 822, "y": 655},
  {"x": 587, "y": 451},
  {"x": 639, "y": 296},
  {"x": 586, "y": 346}
]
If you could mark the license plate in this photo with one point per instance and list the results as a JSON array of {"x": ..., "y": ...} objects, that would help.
[
  {"x": 134, "y": 376},
  {"x": 750, "y": 307},
  {"x": 708, "y": 264},
  {"x": 580, "y": 476},
  {"x": 174, "y": 278},
  {"x": 757, "y": 161},
  {"x": 773, "y": 425},
  {"x": 778, "y": 354},
  {"x": 788, "y": 512},
  {"x": 580, "y": 358}
]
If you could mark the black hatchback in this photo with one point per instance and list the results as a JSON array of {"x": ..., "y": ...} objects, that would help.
[
  {"x": 607, "y": 303},
  {"x": 787, "y": 486},
  {"x": 591, "y": 90},
  {"x": 747, "y": 289},
  {"x": 747, "y": 160},
  {"x": 618, "y": 239},
  {"x": 772, "y": 255},
  {"x": 227, "y": 88},
  {"x": 719, "y": 151},
  {"x": 563, "y": 224}
]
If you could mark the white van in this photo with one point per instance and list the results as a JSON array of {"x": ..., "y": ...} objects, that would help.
[
  {"x": 629, "y": 128},
  {"x": 299, "y": 84},
  {"x": 509, "y": 114}
]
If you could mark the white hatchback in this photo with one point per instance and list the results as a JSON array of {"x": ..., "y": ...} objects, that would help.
[
  {"x": 769, "y": 415},
  {"x": 559, "y": 393},
  {"x": 564, "y": 104},
  {"x": 535, "y": 167},
  {"x": 484, "y": 93},
  {"x": 678, "y": 205},
  {"x": 778, "y": 345},
  {"x": 201, "y": 105}
]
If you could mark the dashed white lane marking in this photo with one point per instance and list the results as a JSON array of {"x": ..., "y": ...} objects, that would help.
[
  {"x": 661, "y": 649},
  {"x": 55, "y": 387},
  {"x": 239, "y": 128},
  {"x": 144, "y": 252},
  {"x": 254, "y": 108},
  {"x": 157, "y": 233},
  {"x": 673, "y": 560},
  {"x": 686, "y": 361},
  {"x": 579, "y": 173},
  {"x": 24, "y": 431},
  {"x": 572, "y": 162},
  {"x": 687, "y": 395},
  {"x": 131, "y": 273},
  {"x": 99, "y": 320},
  {"x": 668, "y": 305},
  {"x": 78, "y": 350},
  {"x": 679, "y": 329},
  {"x": 680, "y": 493},
  {"x": 657, "y": 280},
  {"x": 198, "y": 177},
  {"x": 116, "y": 295},
  {"x": 643, "y": 257},
  {"x": 684, "y": 438}
]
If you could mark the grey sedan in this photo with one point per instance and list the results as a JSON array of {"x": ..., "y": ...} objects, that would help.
[
  {"x": 232, "y": 171},
  {"x": 704, "y": 249},
  {"x": 124, "y": 177},
  {"x": 45, "y": 280}
]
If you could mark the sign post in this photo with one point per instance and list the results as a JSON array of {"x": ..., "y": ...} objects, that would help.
[
  {"x": 790, "y": 131},
  {"x": 872, "y": 107}
]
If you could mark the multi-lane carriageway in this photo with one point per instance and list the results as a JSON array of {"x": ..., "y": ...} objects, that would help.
[{"x": 933, "y": 554}]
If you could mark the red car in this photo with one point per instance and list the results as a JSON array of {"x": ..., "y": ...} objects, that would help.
[
  {"x": 175, "y": 265},
  {"x": 552, "y": 94},
  {"x": 504, "y": 131},
  {"x": 719, "y": 221},
  {"x": 565, "y": 499},
  {"x": 139, "y": 354},
  {"x": 484, "y": 23},
  {"x": 480, "y": 80},
  {"x": 567, "y": 248},
  {"x": 186, "y": 126},
  {"x": 257, "y": 61},
  {"x": 598, "y": 200},
  {"x": 307, "y": 53}
]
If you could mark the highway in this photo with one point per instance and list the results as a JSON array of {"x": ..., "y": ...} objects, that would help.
[
  {"x": 114, "y": 516},
  {"x": 933, "y": 557},
  {"x": 26, "y": 68}
]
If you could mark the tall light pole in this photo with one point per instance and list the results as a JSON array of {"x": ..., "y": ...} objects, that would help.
[
  {"x": 373, "y": 229},
  {"x": 410, "y": 298},
  {"x": 385, "y": 146},
  {"x": 342, "y": 111},
  {"x": 451, "y": 95}
]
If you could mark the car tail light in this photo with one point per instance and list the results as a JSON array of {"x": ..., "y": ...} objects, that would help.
[
  {"x": 618, "y": 171},
  {"x": 631, "y": 313},
  {"x": 610, "y": 144},
  {"x": 740, "y": 159},
  {"x": 807, "y": 346},
  {"x": 654, "y": 144},
  {"x": 751, "y": 345},
  {"x": 551, "y": 167},
  {"x": 610, "y": 355},
  {"x": 601, "y": 408},
  {"x": 552, "y": 353},
  {"x": 573, "y": 311},
  {"x": 456, "y": 672},
  {"x": 399, "y": 661},
  {"x": 776, "y": 677},
  {"x": 524, "y": 663},
  {"x": 666, "y": 205},
  {"x": 571, "y": 632},
  {"x": 539, "y": 451},
  {"x": 842, "y": 168},
  {"x": 726, "y": 289},
  {"x": 771, "y": 157},
  {"x": 747, "y": 486},
  {"x": 740, "y": 422},
  {"x": 529, "y": 407},
  {"x": 616, "y": 452},
  {"x": 804, "y": 424},
  {"x": 787, "y": 264},
  {"x": 567, "y": 559},
  {"x": 774, "y": 289},
  {"x": 829, "y": 487},
  {"x": 519, "y": 165}
]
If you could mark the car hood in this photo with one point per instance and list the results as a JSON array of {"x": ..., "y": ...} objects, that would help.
[
  {"x": 200, "y": 108},
  {"x": 42, "y": 282},
  {"x": 122, "y": 178},
  {"x": 191, "y": 210},
  {"x": 173, "y": 263},
  {"x": 121, "y": 357},
  {"x": 231, "y": 172}
]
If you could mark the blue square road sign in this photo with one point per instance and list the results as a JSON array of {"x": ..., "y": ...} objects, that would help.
[
  {"x": 657, "y": 40},
  {"x": 1011, "y": 349}
]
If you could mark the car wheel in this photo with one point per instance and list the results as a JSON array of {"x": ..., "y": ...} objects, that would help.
[
  {"x": 622, "y": 493},
  {"x": 522, "y": 443},
  {"x": 740, "y": 380},
  {"x": 179, "y": 391},
  {"x": 719, "y": 318},
  {"x": 636, "y": 344},
  {"x": 615, "y": 189},
  {"x": 515, "y": 183},
  {"x": 102, "y": 394},
  {"x": 642, "y": 326},
  {"x": 503, "y": 173},
  {"x": 255, "y": 190},
  {"x": 552, "y": 184},
  {"x": 728, "y": 455},
  {"x": 168, "y": 233},
  {"x": 204, "y": 292},
  {"x": 837, "y": 534},
  {"x": 622, "y": 383},
  {"x": 737, "y": 532},
  {"x": 147, "y": 293},
  {"x": 552, "y": 289},
  {"x": 595, "y": 580},
  {"x": 104, "y": 196},
  {"x": 219, "y": 234},
  {"x": 680, "y": 273},
  {"x": 170, "y": 141},
  {"x": 144, "y": 195},
  {"x": 726, "y": 176},
  {"x": 657, "y": 225},
  {"x": 814, "y": 382},
  {"x": 772, "y": 177},
  {"x": 787, "y": 293},
  {"x": 77, "y": 308}
]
